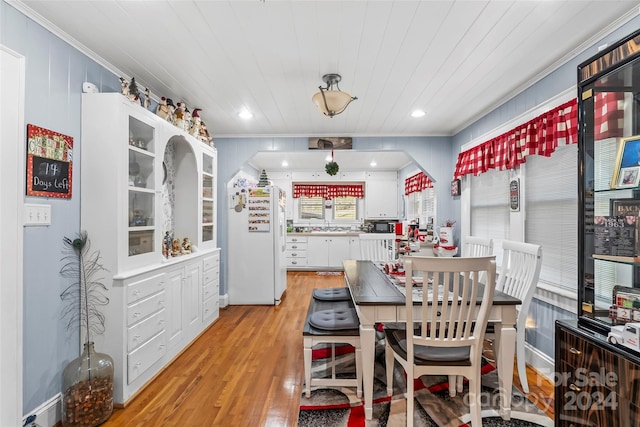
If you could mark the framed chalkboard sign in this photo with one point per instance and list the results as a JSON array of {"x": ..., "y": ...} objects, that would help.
[{"x": 49, "y": 163}]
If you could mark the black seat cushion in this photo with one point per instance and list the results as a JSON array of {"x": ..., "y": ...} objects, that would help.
[
  {"x": 427, "y": 355},
  {"x": 332, "y": 294},
  {"x": 335, "y": 320}
]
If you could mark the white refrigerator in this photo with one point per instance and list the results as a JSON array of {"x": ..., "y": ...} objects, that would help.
[{"x": 257, "y": 239}]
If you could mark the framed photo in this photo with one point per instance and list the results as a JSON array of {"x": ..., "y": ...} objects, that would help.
[
  {"x": 625, "y": 207},
  {"x": 455, "y": 187},
  {"x": 331, "y": 143},
  {"x": 627, "y": 168}
]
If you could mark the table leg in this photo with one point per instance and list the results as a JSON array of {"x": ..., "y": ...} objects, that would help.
[
  {"x": 506, "y": 342},
  {"x": 368, "y": 343}
]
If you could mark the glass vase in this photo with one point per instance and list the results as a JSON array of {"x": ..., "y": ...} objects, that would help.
[{"x": 87, "y": 387}]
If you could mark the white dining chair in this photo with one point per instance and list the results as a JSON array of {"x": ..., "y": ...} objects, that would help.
[
  {"x": 446, "y": 338},
  {"x": 518, "y": 276},
  {"x": 377, "y": 246},
  {"x": 477, "y": 246}
]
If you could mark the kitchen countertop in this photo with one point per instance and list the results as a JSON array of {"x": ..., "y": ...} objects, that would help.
[{"x": 325, "y": 233}]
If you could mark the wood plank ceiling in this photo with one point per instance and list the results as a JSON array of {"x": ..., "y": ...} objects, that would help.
[{"x": 456, "y": 60}]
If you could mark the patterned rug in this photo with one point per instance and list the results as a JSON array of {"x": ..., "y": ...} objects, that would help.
[
  {"x": 338, "y": 407},
  {"x": 329, "y": 273}
]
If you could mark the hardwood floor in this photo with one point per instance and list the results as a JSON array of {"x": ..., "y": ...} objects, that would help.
[{"x": 246, "y": 369}]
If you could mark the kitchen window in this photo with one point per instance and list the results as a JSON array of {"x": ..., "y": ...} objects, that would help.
[
  {"x": 345, "y": 208},
  {"x": 311, "y": 207}
]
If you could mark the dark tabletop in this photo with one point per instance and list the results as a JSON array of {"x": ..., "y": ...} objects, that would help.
[{"x": 369, "y": 285}]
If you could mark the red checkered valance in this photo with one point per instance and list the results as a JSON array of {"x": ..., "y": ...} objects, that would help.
[
  {"x": 328, "y": 192},
  {"x": 608, "y": 112},
  {"x": 417, "y": 182},
  {"x": 541, "y": 135}
]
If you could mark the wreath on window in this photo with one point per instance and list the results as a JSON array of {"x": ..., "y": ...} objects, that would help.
[{"x": 332, "y": 168}]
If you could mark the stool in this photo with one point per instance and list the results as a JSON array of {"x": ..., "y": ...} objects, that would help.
[
  {"x": 330, "y": 322},
  {"x": 332, "y": 294}
]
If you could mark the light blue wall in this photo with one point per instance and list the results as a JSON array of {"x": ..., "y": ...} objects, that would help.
[
  {"x": 54, "y": 75},
  {"x": 433, "y": 154}
]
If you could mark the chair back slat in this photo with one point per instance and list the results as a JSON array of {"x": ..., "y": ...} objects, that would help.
[
  {"x": 520, "y": 270},
  {"x": 474, "y": 246},
  {"x": 377, "y": 247},
  {"x": 449, "y": 312}
]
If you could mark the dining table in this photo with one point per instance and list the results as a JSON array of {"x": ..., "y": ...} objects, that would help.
[{"x": 378, "y": 299}]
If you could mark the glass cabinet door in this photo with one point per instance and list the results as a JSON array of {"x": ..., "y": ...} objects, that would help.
[
  {"x": 609, "y": 177},
  {"x": 141, "y": 179},
  {"x": 208, "y": 188}
]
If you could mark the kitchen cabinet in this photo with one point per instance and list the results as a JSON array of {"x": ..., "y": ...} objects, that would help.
[
  {"x": 381, "y": 195},
  {"x": 354, "y": 247},
  {"x": 142, "y": 177},
  {"x": 210, "y": 287},
  {"x": 309, "y": 176},
  {"x": 595, "y": 385},
  {"x": 296, "y": 252},
  {"x": 327, "y": 251}
]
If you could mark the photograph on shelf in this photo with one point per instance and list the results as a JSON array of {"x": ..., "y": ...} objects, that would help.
[
  {"x": 626, "y": 172},
  {"x": 625, "y": 305}
]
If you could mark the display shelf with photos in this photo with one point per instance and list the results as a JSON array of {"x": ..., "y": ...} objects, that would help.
[{"x": 609, "y": 138}]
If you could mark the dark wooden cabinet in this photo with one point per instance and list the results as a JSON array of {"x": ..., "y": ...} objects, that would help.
[{"x": 596, "y": 383}]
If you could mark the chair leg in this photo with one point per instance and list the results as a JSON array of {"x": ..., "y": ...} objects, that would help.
[
  {"x": 307, "y": 370},
  {"x": 459, "y": 383},
  {"x": 522, "y": 366},
  {"x": 453, "y": 380},
  {"x": 410, "y": 392},
  {"x": 475, "y": 408},
  {"x": 389, "y": 365}
]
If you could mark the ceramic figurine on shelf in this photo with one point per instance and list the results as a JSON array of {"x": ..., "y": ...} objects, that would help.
[
  {"x": 124, "y": 87},
  {"x": 186, "y": 246},
  {"x": 163, "y": 109},
  {"x": 147, "y": 98},
  {"x": 166, "y": 244},
  {"x": 186, "y": 120},
  {"x": 178, "y": 115},
  {"x": 175, "y": 247},
  {"x": 195, "y": 123},
  {"x": 172, "y": 109}
]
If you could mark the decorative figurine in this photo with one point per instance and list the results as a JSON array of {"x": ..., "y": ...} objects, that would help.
[
  {"x": 147, "y": 98},
  {"x": 195, "y": 123},
  {"x": 166, "y": 244},
  {"x": 186, "y": 123},
  {"x": 186, "y": 246},
  {"x": 124, "y": 87},
  {"x": 162, "y": 110},
  {"x": 178, "y": 115},
  {"x": 134, "y": 94},
  {"x": 175, "y": 247},
  {"x": 172, "y": 109},
  {"x": 627, "y": 335}
]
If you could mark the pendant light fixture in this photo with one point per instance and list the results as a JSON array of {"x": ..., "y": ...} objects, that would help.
[{"x": 331, "y": 100}]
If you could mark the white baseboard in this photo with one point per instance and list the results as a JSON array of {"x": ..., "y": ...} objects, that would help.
[
  {"x": 540, "y": 362},
  {"x": 224, "y": 300},
  {"x": 47, "y": 414}
]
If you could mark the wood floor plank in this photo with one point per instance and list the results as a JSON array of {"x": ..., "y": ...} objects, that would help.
[{"x": 245, "y": 370}]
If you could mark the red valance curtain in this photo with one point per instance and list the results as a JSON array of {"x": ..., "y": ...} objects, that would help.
[
  {"x": 328, "y": 192},
  {"x": 417, "y": 182},
  {"x": 541, "y": 135}
]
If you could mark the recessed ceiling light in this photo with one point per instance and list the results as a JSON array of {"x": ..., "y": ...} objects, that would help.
[
  {"x": 328, "y": 158},
  {"x": 285, "y": 163},
  {"x": 245, "y": 114},
  {"x": 373, "y": 163},
  {"x": 418, "y": 113}
]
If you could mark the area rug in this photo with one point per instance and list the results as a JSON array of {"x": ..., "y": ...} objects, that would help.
[
  {"x": 329, "y": 273},
  {"x": 339, "y": 406}
]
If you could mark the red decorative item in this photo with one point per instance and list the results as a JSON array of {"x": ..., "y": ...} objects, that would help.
[{"x": 49, "y": 163}]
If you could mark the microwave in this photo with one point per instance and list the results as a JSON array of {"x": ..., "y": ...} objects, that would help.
[{"x": 384, "y": 227}]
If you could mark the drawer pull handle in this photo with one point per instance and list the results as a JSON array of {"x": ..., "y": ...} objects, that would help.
[
  {"x": 137, "y": 365},
  {"x": 574, "y": 387},
  {"x": 294, "y": 240},
  {"x": 161, "y": 322},
  {"x": 294, "y": 247},
  {"x": 574, "y": 351},
  {"x": 136, "y": 314},
  {"x": 294, "y": 262},
  {"x": 136, "y": 337},
  {"x": 136, "y": 293},
  {"x": 294, "y": 254}
]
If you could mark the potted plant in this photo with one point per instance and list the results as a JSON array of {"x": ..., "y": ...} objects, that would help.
[{"x": 87, "y": 381}]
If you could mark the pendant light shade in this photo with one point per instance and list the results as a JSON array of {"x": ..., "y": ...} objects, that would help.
[{"x": 331, "y": 100}]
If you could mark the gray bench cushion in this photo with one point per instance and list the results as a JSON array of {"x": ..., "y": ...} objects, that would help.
[
  {"x": 335, "y": 320},
  {"x": 332, "y": 294}
]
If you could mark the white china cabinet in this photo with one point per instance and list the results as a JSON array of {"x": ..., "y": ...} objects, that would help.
[{"x": 144, "y": 181}]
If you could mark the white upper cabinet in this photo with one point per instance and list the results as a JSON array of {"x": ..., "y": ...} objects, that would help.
[{"x": 381, "y": 195}]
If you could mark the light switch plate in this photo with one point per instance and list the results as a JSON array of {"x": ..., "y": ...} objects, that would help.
[{"x": 36, "y": 214}]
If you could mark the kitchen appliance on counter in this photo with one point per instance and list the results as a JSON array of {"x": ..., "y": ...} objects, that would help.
[
  {"x": 384, "y": 227},
  {"x": 257, "y": 236}
]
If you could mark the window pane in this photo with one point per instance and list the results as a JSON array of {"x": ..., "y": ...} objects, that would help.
[
  {"x": 345, "y": 208},
  {"x": 490, "y": 205},
  {"x": 552, "y": 213},
  {"x": 311, "y": 208}
]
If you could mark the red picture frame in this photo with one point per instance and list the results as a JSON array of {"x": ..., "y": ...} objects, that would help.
[{"x": 49, "y": 163}]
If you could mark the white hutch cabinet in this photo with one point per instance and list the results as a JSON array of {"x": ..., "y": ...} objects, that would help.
[{"x": 141, "y": 177}]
